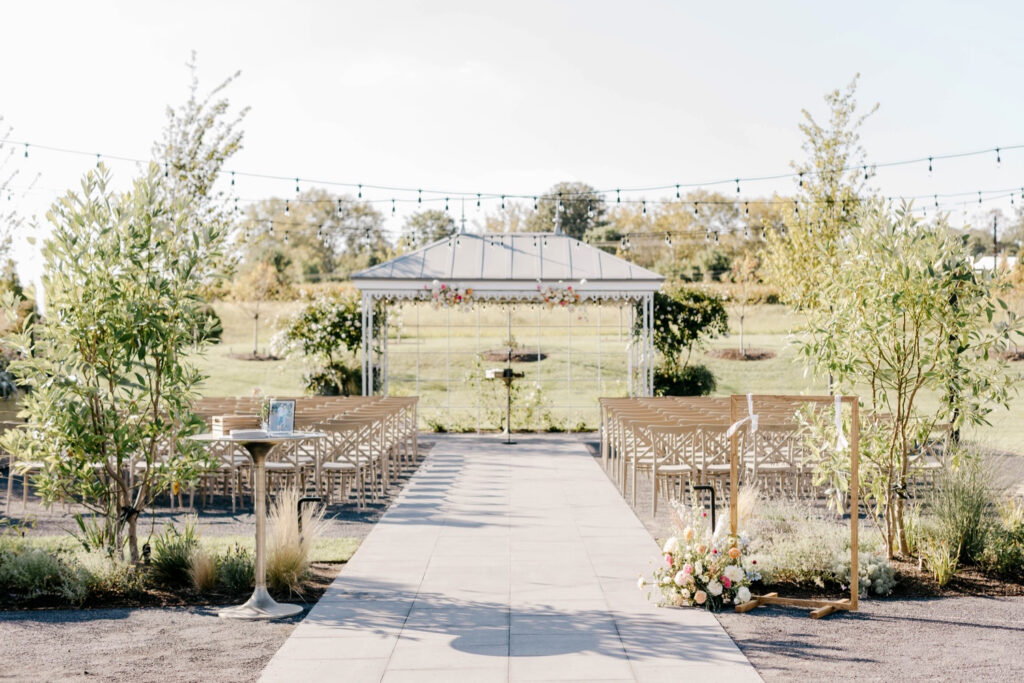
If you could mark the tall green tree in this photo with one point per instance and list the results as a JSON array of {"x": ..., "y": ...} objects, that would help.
[
  {"x": 573, "y": 207},
  {"x": 424, "y": 227},
  {"x": 907, "y": 314},
  {"x": 201, "y": 135},
  {"x": 830, "y": 185},
  {"x": 112, "y": 386}
]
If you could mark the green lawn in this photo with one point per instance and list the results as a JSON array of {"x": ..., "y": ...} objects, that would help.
[{"x": 454, "y": 393}]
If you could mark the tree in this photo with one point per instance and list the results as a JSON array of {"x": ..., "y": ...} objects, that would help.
[
  {"x": 515, "y": 217},
  {"x": 573, "y": 207},
  {"x": 199, "y": 138},
  {"x": 830, "y": 184},
  {"x": 112, "y": 386},
  {"x": 907, "y": 314},
  {"x": 425, "y": 227},
  {"x": 684, "y": 318},
  {"x": 328, "y": 334},
  {"x": 262, "y": 283},
  {"x": 744, "y": 274}
]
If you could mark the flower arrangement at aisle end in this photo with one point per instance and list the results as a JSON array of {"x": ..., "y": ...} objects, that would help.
[
  {"x": 703, "y": 567},
  {"x": 445, "y": 295},
  {"x": 559, "y": 295}
]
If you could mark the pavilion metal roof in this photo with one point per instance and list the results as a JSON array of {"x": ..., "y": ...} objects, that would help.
[{"x": 513, "y": 261}]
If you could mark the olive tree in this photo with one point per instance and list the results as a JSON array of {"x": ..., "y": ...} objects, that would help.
[
  {"x": 908, "y": 315},
  {"x": 111, "y": 385}
]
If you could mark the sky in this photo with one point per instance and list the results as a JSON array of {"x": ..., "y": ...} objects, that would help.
[{"x": 510, "y": 98}]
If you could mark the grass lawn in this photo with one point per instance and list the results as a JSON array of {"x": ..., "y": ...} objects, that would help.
[{"x": 455, "y": 394}]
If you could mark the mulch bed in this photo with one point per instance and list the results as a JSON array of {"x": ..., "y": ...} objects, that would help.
[
  {"x": 734, "y": 354},
  {"x": 254, "y": 356},
  {"x": 911, "y": 583},
  {"x": 501, "y": 356},
  {"x": 322, "y": 574}
]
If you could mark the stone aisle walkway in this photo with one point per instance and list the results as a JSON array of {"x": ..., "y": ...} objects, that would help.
[{"x": 504, "y": 563}]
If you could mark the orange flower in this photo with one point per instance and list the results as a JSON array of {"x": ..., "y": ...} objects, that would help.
[{"x": 734, "y": 553}]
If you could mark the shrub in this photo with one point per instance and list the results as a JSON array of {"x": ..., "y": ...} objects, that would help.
[
  {"x": 691, "y": 380},
  {"x": 288, "y": 549},
  {"x": 961, "y": 503},
  {"x": 793, "y": 544},
  {"x": 1003, "y": 555},
  {"x": 337, "y": 379},
  {"x": 236, "y": 570},
  {"x": 34, "y": 572},
  {"x": 203, "y": 570},
  {"x": 172, "y": 555},
  {"x": 940, "y": 558}
]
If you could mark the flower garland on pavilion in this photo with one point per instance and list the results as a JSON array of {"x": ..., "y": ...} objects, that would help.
[
  {"x": 559, "y": 295},
  {"x": 443, "y": 295}
]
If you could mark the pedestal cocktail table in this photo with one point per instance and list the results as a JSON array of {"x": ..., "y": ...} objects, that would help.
[{"x": 258, "y": 444}]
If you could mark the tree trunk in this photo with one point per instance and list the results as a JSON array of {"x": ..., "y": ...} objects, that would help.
[
  {"x": 255, "y": 333},
  {"x": 133, "y": 536},
  {"x": 743, "y": 348}
]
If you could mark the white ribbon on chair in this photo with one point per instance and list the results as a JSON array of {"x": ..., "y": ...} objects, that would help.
[
  {"x": 751, "y": 418},
  {"x": 841, "y": 441}
]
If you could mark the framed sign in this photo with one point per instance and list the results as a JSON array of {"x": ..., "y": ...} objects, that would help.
[{"x": 282, "y": 416}]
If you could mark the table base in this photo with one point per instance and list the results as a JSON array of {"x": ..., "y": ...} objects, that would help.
[{"x": 260, "y": 606}]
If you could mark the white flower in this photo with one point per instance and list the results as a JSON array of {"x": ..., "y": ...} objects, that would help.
[
  {"x": 680, "y": 578},
  {"x": 714, "y": 588},
  {"x": 734, "y": 573},
  {"x": 698, "y": 568},
  {"x": 742, "y": 595},
  {"x": 671, "y": 545},
  {"x": 640, "y": 582},
  {"x": 665, "y": 580},
  {"x": 686, "y": 594}
]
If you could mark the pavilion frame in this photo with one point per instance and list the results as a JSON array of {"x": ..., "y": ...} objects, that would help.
[{"x": 640, "y": 358}]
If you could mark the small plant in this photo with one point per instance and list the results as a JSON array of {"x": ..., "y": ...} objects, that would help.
[
  {"x": 690, "y": 380},
  {"x": 1003, "y": 555},
  {"x": 236, "y": 570},
  {"x": 961, "y": 504},
  {"x": 172, "y": 554},
  {"x": 203, "y": 570},
  {"x": 940, "y": 559},
  {"x": 288, "y": 547},
  {"x": 31, "y": 572}
]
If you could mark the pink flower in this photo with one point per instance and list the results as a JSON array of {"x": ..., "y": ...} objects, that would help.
[
  {"x": 687, "y": 568},
  {"x": 714, "y": 551},
  {"x": 726, "y": 582},
  {"x": 668, "y": 559}
]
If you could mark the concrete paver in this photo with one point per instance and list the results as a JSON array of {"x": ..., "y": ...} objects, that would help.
[{"x": 504, "y": 563}]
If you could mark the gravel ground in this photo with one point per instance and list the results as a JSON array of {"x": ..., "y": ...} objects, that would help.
[
  {"x": 952, "y": 638},
  {"x": 163, "y": 645},
  {"x": 152, "y": 644}
]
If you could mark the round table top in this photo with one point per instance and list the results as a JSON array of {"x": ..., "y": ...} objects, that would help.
[{"x": 259, "y": 436}]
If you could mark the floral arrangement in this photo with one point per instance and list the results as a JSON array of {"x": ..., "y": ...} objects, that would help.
[
  {"x": 559, "y": 295},
  {"x": 263, "y": 405},
  {"x": 442, "y": 295},
  {"x": 703, "y": 567}
]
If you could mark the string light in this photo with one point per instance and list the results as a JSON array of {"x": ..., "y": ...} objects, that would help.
[
  {"x": 286, "y": 207},
  {"x": 696, "y": 205},
  {"x": 502, "y": 202},
  {"x": 392, "y": 206},
  {"x": 999, "y": 159},
  {"x": 746, "y": 209},
  {"x": 97, "y": 161},
  {"x": 534, "y": 203},
  {"x": 419, "y": 196},
  {"x": 865, "y": 173},
  {"x": 339, "y": 206},
  {"x": 618, "y": 196},
  {"x": 737, "y": 186},
  {"x": 478, "y": 200},
  {"x": 26, "y": 150},
  {"x": 446, "y": 205},
  {"x": 360, "y": 195},
  {"x": 929, "y": 165},
  {"x": 677, "y": 192},
  {"x": 644, "y": 204},
  {"x": 979, "y": 198},
  {"x": 668, "y": 239},
  {"x": 801, "y": 178},
  {"x": 716, "y": 237},
  {"x": 296, "y": 186},
  {"x": 232, "y": 176}
]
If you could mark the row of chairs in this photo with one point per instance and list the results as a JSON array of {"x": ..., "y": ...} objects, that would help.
[
  {"x": 369, "y": 442},
  {"x": 680, "y": 442}
]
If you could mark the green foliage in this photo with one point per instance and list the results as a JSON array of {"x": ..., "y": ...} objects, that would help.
[
  {"x": 111, "y": 385},
  {"x": 939, "y": 557},
  {"x": 289, "y": 550},
  {"x": 328, "y": 334},
  {"x": 1003, "y": 555},
  {"x": 172, "y": 555},
  {"x": 574, "y": 207},
  {"x": 794, "y": 544},
  {"x": 209, "y": 328},
  {"x": 236, "y": 570},
  {"x": 684, "y": 318},
  {"x": 962, "y": 504},
  {"x": 690, "y": 380},
  {"x": 908, "y": 314},
  {"x": 802, "y": 252},
  {"x": 425, "y": 227},
  {"x": 28, "y": 572}
]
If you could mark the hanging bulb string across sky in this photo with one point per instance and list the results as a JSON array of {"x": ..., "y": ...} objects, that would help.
[{"x": 422, "y": 194}]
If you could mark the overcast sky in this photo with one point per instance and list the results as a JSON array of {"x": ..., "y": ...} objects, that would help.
[{"x": 512, "y": 97}]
